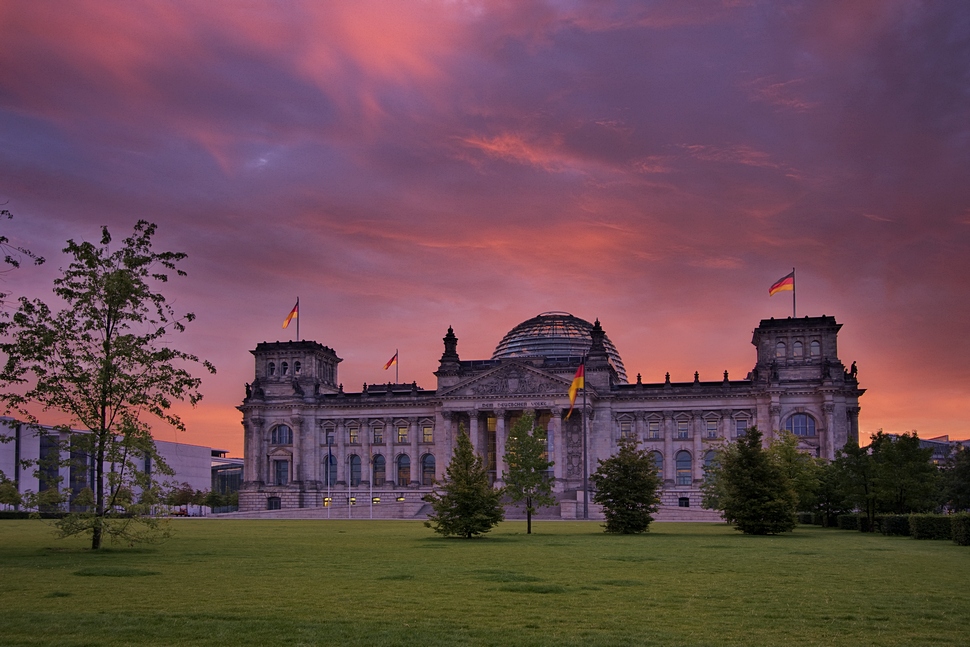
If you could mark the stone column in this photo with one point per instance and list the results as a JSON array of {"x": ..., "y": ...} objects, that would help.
[
  {"x": 727, "y": 428},
  {"x": 825, "y": 438},
  {"x": 366, "y": 457},
  {"x": 343, "y": 477},
  {"x": 415, "y": 451},
  {"x": 775, "y": 422},
  {"x": 557, "y": 454},
  {"x": 499, "y": 446},
  {"x": 668, "y": 474},
  {"x": 853, "y": 431},
  {"x": 296, "y": 422},
  {"x": 253, "y": 433},
  {"x": 640, "y": 425},
  {"x": 446, "y": 441},
  {"x": 474, "y": 433},
  {"x": 700, "y": 428}
]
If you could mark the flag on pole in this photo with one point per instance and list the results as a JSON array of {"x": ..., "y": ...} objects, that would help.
[
  {"x": 786, "y": 282},
  {"x": 294, "y": 313},
  {"x": 391, "y": 362},
  {"x": 579, "y": 382}
]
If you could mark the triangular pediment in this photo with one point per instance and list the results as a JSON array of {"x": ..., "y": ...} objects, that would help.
[{"x": 511, "y": 378}]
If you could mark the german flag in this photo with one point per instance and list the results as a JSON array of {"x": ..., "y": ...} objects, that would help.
[
  {"x": 294, "y": 313},
  {"x": 579, "y": 382},
  {"x": 786, "y": 282},
  {"x": 391, "y": 362}
]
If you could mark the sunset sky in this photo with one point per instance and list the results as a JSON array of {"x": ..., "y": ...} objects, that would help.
[{"x": 403, "y": 166}]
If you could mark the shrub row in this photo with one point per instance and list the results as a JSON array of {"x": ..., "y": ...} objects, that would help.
[
  {"x": 930, "y": 526},
  {"x": 960, "y": 524},
  {"x": 893, "y": 524},
  {"x": 23, "y": 514}
]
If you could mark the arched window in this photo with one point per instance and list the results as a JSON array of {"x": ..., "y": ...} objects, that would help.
[
  {"x": 709, "y": 456},
  {"x": 403, "y": 470},
  {"x": 284, "y": 368},
  {"x": 780, "y": 349},
  {"x": 801, "y": 424},
  {"x": 296, "y": 368},
  {"x": 427, "y": 469},
  {"x": 815, "y": 349},
  {"x": 330, "y": 469},
  {"x": 796, "y": 350},
  {"x": 379, "y": 470},
  {"x": 354, "y": 470},
  {"x": 271, "y": 368},
  {"x": 658, "y": 461},
  {"x": 683, "y": 468},
  {"x": 282, "y": 435}
]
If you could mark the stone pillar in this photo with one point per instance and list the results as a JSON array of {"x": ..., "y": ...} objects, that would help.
[
  {"x": 474, "y": 434},
  {"x": 340, "y": 438},
  {"x": 447, "y": 440},
  {"x": 640, "y": 426},
  {"x": 727, "y": 428},
  {"x": 366, "y": 456},
  {"x": 253, "y": 434},
  {"x": 697, "y": 464},
  {"x": 853, "y": 432},
  {"x": 775, "y": 423},
  {"x": 557, "y": 453},
  {"x": 415, "y": 451},
  {"x": 499, "y": 446},
  {"x": 296, "y": 422},
  {"x": 825, "y": 443},
  {"x": 668, "y": 474}
]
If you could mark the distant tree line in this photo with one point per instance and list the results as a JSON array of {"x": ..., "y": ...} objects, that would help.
[{"x": 760, "y": 489}]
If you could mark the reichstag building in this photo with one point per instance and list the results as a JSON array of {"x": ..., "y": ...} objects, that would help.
[{"x": 310, "y": 444}]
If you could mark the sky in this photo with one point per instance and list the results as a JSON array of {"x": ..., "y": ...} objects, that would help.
[{"x": 406, "y": 166}]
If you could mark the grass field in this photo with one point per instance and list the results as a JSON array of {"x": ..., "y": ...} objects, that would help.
[{"x": 222, "y": 582}]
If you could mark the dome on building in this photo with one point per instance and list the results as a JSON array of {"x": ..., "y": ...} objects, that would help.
[{"x": 554, "y": 334}]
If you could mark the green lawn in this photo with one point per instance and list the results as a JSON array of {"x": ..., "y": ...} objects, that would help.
[{"x": 222, "y": 582}]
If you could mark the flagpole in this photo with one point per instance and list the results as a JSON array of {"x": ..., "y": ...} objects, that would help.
[
  {"x": 298, "y": 318},
  {"x": 585, "y": 456},
  {"x": 793, "y": 316},
  {"x": 397, "y": 366}
]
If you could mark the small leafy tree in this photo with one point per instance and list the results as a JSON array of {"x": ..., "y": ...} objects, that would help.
[
  {"x": 831, "y": 497},
  {"x": 905, "y": 478},
  {"x": 104, "y": 360},
  {"x": 465, "y": 504},
  {"x": 956, "y": 480},
  {"x": 627, "y": 486},
  {"x": 800, "y": 468},
  {"x": 857, "y": 476},
  {"x": 527, "y": 478},
  {"x": 756, "y": 494}
]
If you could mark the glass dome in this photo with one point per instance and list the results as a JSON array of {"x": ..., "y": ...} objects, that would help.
[{"x": 554, "y": 334}]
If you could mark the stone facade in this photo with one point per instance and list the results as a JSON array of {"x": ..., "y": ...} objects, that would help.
[{"x": 309, "y": 444}]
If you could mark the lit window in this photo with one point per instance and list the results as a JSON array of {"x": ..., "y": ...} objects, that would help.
[
  {"x": 801, "y": 424},
  {"x": 780, "y": 349},
  {"x": 402, "y": 433},
  {"x": 353, "y": 435},
  {"x": 281, "y": 472},
  {"x": 712, "y": 428},
  {"x": 683, "y": 429},
  {"x": 427, "y": 469},
  {"x": 815, "y": 349},
  {"x": 653, "y": 429},
  {"x": 796, "y": 349},
  {"x": 282, "y": 435},
  {"x": 626, "y": 429},
  {"x": 354, "y": 470},
  {"x": 403, "y": 470},
  {"x": 427, "y": 434},
  {"x": 379, "y": 470},
  {"x": 683, "y": 468},
  {"x": 378, "y": 435}
]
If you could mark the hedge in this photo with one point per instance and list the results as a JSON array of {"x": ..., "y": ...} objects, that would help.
[
  {"x": 894, "y": 525},
  {"x": 960, "y": 526},
  {"x": 805, "y": 518},
  {"x": 848, "y": 521},
  {"x": 930, "y": 526}
]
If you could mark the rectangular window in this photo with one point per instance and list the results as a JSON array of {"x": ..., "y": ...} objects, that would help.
[
  {"x": 683, "y": 429},
  {"x": 330, "y": 439},
  {"x": 626, "y": 429},
  {"x": 353, "y": 435},
  {"x": 427, "y": 434},
  {"x": 281, "y": 469},
  {"x": 402, "y": 434},
  {"x": 653, "y": 429},
  {"x": 740, "y": 427},
  {"x": 712, "y": 428},
  {"x": 378, "y": 435}
]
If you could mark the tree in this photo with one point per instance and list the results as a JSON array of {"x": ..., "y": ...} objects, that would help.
[
  {"x": 527, "y": 478},
  {"x": 956, "y": 480},
  {"x": 857, "y": 477},
  {"x": 831, "y": 497},
  {"x": 105, "y": 362},
  {"x": 800, "y": 468},
  {"x": 465, "y": 503},
  {"x": 627, "y": 486},
  {"x": 756, "y": 494},
  {"x": 12, "y": 254},
  {"x": 905, "y": 479}
]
